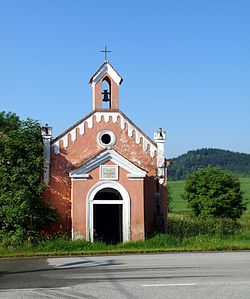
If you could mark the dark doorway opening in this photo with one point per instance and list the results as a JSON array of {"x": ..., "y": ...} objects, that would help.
[{"x": 108, "y": 218}]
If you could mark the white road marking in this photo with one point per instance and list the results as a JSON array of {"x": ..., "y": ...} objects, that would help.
[
  {"x": 169, "y": 285},
  {"x": 34, "y": 289}
]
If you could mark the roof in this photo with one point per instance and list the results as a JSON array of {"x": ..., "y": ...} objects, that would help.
[{"x": 106, "y": 67}]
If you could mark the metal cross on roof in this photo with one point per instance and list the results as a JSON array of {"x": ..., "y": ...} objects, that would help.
[{"x": 106, "y": 51}]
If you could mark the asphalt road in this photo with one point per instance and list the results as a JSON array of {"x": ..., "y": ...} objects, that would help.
[{"x": 182, "y": 275}]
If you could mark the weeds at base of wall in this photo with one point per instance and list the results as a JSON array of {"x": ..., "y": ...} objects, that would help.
[
  {"x": 185, "y": 234},
  {"x": 189, "y": 226}
]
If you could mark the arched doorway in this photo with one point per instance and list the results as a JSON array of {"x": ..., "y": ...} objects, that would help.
[
  {"x": 107, "y": 218},
  {"x": 108, "y": 213}
]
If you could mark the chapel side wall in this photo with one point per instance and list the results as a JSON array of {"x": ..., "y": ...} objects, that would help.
[
  {"x": 136, "y": 192},
  {"x": 150, "y": 205},
  {"x": 58, "y": 194}
]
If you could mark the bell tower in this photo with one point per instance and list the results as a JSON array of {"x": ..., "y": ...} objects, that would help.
[{"x": 105, "y": 87}]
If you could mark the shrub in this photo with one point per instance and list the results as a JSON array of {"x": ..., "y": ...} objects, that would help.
[
  {"x": 214, "y": 192},
  {"x": 190, "y": 226}
]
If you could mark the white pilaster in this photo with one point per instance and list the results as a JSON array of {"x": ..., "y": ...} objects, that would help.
[
  {"x": 47, "y": 137},
  {"x": 160, "y": 137}
]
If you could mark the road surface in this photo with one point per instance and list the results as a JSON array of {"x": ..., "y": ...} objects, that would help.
[{"x": 172, "y": 275}]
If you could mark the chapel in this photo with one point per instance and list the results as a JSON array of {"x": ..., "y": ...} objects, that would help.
[{"x": 104, "y": 175}]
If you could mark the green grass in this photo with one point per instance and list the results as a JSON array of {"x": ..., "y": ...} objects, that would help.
[
  {"x": 186, "y": 234},
  {"x": 158, "y": 243},
  {"x": 245, "y": 183},
  {"x": 177, "y": 188}
]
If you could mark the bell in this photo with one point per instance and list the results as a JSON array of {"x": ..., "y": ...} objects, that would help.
[{"x": 105, "y": 96}]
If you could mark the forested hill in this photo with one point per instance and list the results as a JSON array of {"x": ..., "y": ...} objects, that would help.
[{"x": 238, "y": 163}]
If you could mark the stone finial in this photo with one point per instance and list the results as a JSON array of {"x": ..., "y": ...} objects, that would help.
[
  {"x": 160, "y": 137},
  {"x": 47, "y": 131}
]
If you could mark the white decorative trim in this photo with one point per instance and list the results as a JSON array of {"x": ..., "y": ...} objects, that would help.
[
  {"x": 135, "y": 176},
  {"x": 130, "y": 130},
  {"x": 113, "y": 74},
  {"x": 145, "y": 144},
  {"x": 107, "y": 68},
  {"x": 90, "y": 201},
  {"x": 138, "y": 137},
  {"x": 81, "y": 128},
  {"x": 160, "y": 137},
  {"x": 102, "y": 176},
  {"x": 152, "y": 151},
  {"x": 73, "y": 134},
  {"x": 93, "y": 95},
  {"x": 56, "y": 147},
  {"x": 108, "y": 155},
  {"x": 65, "y": 140},
  {"x": 72, "y": 210},
  {"x": 90, "y": 121},
  {"x": 115, "y": 117},
  {"x": 112, "y": 138},
  {"x": 98, "y": 117},
  {"x": 108, "y": 116},
  {"x": 123, "y": 123}
]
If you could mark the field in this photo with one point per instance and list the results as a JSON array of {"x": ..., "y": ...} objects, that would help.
[{"x": 180, "y": 206}]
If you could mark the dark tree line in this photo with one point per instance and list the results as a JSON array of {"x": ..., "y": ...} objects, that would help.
[{"x": 237, "y": 163}]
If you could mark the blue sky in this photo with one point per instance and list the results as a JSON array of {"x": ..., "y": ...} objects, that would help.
[{"x": 185, "y": 65}]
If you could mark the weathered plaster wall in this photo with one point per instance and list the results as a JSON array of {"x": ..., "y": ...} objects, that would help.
[
  {"x": 136, "y": 193},
  {"x": 75, "y": 150}
]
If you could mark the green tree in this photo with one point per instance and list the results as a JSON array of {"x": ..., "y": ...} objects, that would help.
[
  {"x": 214, "y": 192},
  {"x": 23, "y": 214}
]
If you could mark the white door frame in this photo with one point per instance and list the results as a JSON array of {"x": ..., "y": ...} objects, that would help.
[{"x": 125, "y": 202}]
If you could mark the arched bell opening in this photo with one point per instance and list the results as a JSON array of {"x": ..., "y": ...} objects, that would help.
[{"x": 106, "y": 93}]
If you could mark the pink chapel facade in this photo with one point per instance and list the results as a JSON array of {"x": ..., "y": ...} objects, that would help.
[{"x": 104, "y": 176}]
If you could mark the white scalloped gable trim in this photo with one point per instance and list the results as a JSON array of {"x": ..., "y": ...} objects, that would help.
[{"x": 139, "y": 137}]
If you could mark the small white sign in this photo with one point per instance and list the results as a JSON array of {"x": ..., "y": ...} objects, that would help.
[{"x": 109, "y": 172}]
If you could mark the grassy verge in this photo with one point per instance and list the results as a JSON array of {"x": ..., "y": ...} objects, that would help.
[
  {"x": 159, "y": 243},
  {"x": 185, "y": 234}
]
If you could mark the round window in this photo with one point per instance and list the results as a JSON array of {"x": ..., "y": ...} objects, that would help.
[{"x": 106, "y": 138}]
